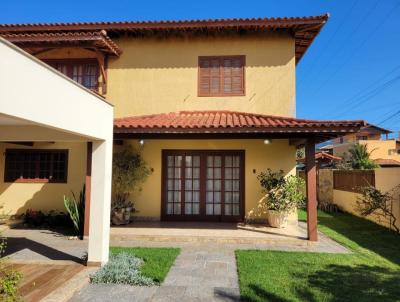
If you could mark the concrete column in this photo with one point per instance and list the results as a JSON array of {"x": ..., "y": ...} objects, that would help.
[
  {"x": 311, "y": 181},
  {"x": 99, "y": 224}
]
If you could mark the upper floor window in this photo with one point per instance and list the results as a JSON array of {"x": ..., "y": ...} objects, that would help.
[
  {"x": 362, "y": 137},
  {"x": 221, "y": 76},
  {"x": 85, "y": 72},
  {"x": 36, "y": 165}
]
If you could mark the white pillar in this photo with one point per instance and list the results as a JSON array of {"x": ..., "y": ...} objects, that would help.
[{"x": 99, "y": 224}]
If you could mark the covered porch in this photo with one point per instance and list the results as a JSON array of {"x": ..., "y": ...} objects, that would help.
[
  {"x": 205, "y": 164},
  {"x": 41, "y": 109}
]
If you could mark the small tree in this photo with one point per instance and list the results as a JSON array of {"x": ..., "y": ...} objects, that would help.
[
  {"x": 374, "y": 201},
  {"x": 360, "y": 157},
  {"x": 129, "y": 172}
]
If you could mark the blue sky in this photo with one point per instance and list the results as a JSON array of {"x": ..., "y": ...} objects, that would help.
[{"x": 352, "y": 70}]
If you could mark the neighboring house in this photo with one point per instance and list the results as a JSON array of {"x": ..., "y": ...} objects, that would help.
[
  {"x": 385, "y": 151},
  {"x": 211, "y": 103},
  {"x": 322, "y": 159}
]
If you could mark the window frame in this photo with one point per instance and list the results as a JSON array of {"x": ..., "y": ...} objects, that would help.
[
  {"x": 8, "y": 179},
  {"x": 221, "y": 94},
  {"x": 76, "y": 61}
]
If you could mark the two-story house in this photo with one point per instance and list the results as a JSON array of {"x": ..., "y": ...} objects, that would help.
[{"x": 210, "y": 103}]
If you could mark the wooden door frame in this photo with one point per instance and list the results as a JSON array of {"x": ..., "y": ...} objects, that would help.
[{"x": 202, "y": 153}]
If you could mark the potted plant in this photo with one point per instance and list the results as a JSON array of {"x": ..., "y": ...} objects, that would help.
[
  {"x": 129, "y": 172},
  {"x": 282, "y": 196}
]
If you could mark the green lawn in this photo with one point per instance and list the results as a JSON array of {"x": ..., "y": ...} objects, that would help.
[
  {"x": 157, "y": 261},
  {"x": 370, "y": 273}
]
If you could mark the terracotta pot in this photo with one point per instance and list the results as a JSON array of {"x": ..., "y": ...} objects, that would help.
[
  {"x": 277, "y": 219},
  {"x": 127, "y": 215}
]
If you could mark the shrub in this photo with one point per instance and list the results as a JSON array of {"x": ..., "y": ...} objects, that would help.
[
  {"x": 282, "y": 194},
  {"x": 51, "y": 219},
  {"x": 9, "y": 278},
  {"x": 129, "y": 171},
  {"x": 76, "y": 210},
  {"x": 122, "y": 268},
  {"x": 374, "y": 201}
]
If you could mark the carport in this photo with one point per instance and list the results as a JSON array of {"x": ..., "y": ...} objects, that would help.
[{"x": 39, "y": 104}]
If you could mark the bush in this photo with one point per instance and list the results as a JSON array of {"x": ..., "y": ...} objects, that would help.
[
  {"x": 9, "y": 278},
  {"x": 374, "y": 201},
  {"x": 282, "y": 194},
  {"x": 129, "y": 171},
  {"x": 52, "y": 219},
  {"x": 122, "y": 268}
]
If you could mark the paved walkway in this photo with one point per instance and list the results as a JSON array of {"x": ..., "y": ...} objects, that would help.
[
  {"x": 205, "y": 270},
  {"x": 200, "y": 273}
]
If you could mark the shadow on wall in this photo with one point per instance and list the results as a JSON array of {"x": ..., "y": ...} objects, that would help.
[
  {"x": 183, "y": 52},
  {"x": 17, "y": 198}
]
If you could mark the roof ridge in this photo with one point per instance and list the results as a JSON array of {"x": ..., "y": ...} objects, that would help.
[{"x": 147, "y": 22}]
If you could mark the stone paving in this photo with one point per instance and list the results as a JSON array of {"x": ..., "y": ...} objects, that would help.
[{"x": 205, "y": 270}]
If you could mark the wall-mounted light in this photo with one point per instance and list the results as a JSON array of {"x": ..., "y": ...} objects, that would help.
[
  {"x": 141, "y": 142},
  {"x": 267, "y": 141}
]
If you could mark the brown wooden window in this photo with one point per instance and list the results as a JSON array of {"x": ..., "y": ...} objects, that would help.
[
  {"x": 221, "y": 76},
  {"x": 34, "y": 165},
  {"x": 85, "y": 71}
]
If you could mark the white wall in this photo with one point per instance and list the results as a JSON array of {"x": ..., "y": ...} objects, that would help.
[{"x": 31, "y": 90}]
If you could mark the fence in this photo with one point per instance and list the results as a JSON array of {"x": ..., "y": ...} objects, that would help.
[{"x": 353, "y": 180}]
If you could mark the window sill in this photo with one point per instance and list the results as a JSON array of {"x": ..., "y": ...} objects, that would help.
[
  {"x": 33, "y": 180},
  {"x": 220, "y": 95}
]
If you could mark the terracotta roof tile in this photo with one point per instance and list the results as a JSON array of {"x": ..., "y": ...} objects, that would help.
[
  {"x": 221, "y": 121},
  {"x": 304, "y": 29},
  {"x": 387, "y": 162},
  {"x": 99, "y": 38}
]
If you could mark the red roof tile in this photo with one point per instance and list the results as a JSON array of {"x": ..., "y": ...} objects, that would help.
[
  {"x": 228, "y": 122},
  {"x": 98, "y": 38},
  {"x": 304, "y": 29},
  {"x": 387, "y": 162}
]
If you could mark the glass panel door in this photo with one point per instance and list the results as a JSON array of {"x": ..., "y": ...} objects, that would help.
[
  {"x": 192, "y": 185},
  {"x": 213, "y": 185},
  {"x": 203, "y": 185},
  {"x": 174, "y": 184},
  {"x": 232, "y": 185}
]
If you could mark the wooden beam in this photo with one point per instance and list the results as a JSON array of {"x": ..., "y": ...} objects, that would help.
[
  {"x": 311, "y": 184},
  {"x": 101, "y": 60},
  {"x": 88, "y": 180}
]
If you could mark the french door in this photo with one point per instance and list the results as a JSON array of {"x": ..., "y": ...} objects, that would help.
[{"x": 203, "y": 185}]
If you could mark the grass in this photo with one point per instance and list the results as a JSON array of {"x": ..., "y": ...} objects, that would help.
[
  {"x": 370, "y": 273},
  {"x": 157, "y": 261}
]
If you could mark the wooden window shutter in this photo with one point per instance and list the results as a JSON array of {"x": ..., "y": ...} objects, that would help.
[{"x": 221, "y": 76}]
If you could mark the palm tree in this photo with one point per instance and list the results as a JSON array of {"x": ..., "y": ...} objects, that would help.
[{"x": 360, "y": 157}]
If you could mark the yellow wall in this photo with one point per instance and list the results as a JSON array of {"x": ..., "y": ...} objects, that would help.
[
  {"x": 386, "y": 149},
  {"x": 160, "y": 75},
  {"x": 277, "y": 155},
  {"x": 18, "y": 197},
  {"x": 385, "y": 179}
]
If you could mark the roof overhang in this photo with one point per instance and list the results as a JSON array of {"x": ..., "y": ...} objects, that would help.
[
  {"x": 97, "y": 40},
  {"x": 228, "y": 124},
  {"x": 303, "y": 29}
]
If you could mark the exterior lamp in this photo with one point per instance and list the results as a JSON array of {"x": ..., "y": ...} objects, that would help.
[
  {"x": 267, "y": 141},
  {"x": 141, "y": 142}
]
